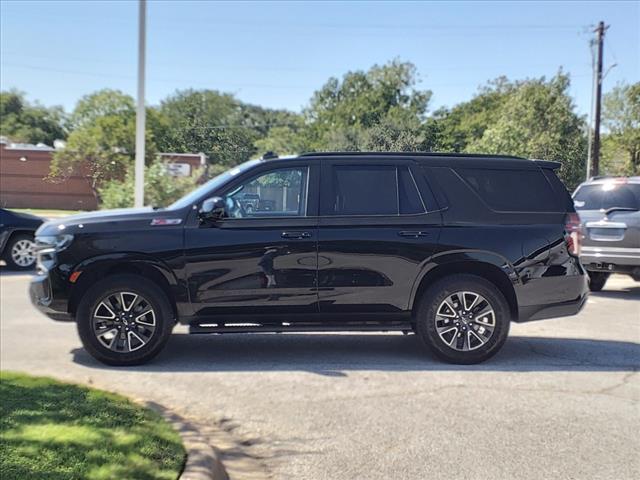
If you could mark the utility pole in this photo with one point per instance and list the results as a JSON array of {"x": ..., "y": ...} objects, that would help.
[
  {"x": 140, "y": 112},
  {"x": 594, "y": 167}
]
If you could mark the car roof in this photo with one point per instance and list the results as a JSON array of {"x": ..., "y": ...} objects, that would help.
[
  {"x": 605, "y": 179},
  {"x": 434, "y": 158}
]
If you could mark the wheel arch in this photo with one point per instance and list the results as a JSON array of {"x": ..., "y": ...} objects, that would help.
[
  {"x": 102, "y": 267},
  {"x": 500, "y": 276},
  {"x": 12, "y": 233}
]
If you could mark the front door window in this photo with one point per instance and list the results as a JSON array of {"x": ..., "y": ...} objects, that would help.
[{"x": 279, "y": 193}]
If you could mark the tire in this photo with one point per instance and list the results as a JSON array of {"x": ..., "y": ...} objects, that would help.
[
  {"x": 597, "y": 280},
  {"x": 133, "y": 344},
  {"x": 485, "y": 333},
  {"x": 19, "y": 252}
]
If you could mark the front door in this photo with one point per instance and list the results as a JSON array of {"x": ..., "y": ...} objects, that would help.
[
  {"x": 262, "y": 257},
  {"x": 376, "y": 233}
]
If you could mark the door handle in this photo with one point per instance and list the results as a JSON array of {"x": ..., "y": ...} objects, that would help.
[
  {"x": 412, "y": 233},
  {"x": 296, "y": 235}
]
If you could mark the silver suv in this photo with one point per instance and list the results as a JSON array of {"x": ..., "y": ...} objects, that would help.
[{"x": 609, "y": 209}]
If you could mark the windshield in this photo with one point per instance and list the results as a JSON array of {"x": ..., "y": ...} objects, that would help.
[
  {"x": 213, "y": 184},
  {"x": 607, "y": 195}
]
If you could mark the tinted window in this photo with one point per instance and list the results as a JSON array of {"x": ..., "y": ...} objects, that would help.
[
  {"x": 563, "y": 195},
  {"x": 363, "y": 190},
  {"x": 607, "y": 195},
  {"x": 372, "y": 190},
  {"x": 410, "y": 202},
  {"x": 282, "y": 192},
  {"x": 512, "y": 190}
]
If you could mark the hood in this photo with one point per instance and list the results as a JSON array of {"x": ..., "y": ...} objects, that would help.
[
  {"x": 27, "y": 216},
  {"x": 12, "y": 218},
  {"x": 112, "y": 220}
]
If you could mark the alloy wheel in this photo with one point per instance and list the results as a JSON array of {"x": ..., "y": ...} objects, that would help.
[
  {"x": 465, "y": 321},
  {"x": 23, "y": 253},
  {"x": 124, "y": 322}
]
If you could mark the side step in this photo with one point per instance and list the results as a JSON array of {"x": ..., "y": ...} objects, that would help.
[{"x": 283, "y": 327}]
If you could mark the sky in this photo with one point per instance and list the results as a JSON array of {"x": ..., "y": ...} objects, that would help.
[{"x": 276, "y": 54}]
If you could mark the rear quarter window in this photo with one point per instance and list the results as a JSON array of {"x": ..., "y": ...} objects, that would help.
[{"x": 512, "y": 190}]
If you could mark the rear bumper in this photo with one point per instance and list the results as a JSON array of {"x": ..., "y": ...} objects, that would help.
[
  {"x": 558, "y": 291},
  {"x": 563, "y": 309},
  {"x": 622, "y": 255},
  {"x": 611, "y": 259}
]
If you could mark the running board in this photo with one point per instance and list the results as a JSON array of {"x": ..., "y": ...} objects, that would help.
[{"x": 300, "y": 327}]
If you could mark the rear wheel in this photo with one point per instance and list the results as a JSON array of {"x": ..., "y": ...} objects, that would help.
[
  {"x": 124, "y": 320},
  {"x": 597, "y": 280},
  {"x": 464, "y": 319},
  {"x": 19, "y": 253}
]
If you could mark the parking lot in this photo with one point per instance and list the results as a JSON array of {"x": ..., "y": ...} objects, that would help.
[{"x": 560, "y": 401}]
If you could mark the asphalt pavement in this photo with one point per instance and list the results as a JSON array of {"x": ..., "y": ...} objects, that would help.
[{"x": 561, "y": 401}]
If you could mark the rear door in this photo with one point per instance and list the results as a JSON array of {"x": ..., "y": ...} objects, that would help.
[{"x": 375, "y": 233}]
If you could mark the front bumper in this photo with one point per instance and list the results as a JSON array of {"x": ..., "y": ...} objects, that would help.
[{"x": 42, "y": 291}]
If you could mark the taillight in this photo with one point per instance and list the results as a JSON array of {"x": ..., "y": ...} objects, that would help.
[{"x": 573, "y": 233}]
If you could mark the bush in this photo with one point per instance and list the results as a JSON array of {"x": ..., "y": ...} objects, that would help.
[{"x": 161, "y": 189}]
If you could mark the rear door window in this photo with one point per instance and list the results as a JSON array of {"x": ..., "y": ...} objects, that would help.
[
  {"x": 371, "y": 190},
  {"x": 512, "y": 190},
  {"x": 410, "y": 200}
]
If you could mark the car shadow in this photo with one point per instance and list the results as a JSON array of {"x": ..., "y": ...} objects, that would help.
[
  {"x": 625, "y": 293},
  {"x": 7, "y": 272},
  {"x": 333, "y": 355}
]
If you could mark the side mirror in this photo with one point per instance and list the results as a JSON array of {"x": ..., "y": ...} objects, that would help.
[{"x": 212, "y": 209}]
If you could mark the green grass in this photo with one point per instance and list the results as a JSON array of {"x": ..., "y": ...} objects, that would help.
[
  {"x": 52, "y": 430},
  {"x": 44, "y": 212}
]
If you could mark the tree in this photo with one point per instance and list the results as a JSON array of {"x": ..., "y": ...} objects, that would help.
[
  {"x": 210, "y": 122},
  {"x": 374, "y": 109},
  {"x": 21, "y": 121},
  {"x": 538, "y": 120},
  {"x": 283, "y": 140},
  {"x": 456, "y": 128},
  {"x": 102, "y": 145},
  {"x": 103, "y": 103},
  {"x": 161, "y": 189},
  {"x": 621, "y": 117}
]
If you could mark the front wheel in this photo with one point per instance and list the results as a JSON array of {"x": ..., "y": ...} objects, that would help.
[
  {"x": 124, "y": 320},
  {"x": 464, "y": 319}
]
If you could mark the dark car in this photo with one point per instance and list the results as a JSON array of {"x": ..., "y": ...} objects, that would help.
[
  {"x": 16, "y": 239},
  {"x": 609, "y": 208},
  {"x": 452, "y": 247}
]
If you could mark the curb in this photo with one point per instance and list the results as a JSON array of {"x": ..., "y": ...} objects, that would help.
[{"x": 203, "y": 462}]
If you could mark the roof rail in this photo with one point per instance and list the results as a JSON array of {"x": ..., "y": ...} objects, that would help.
[
  {"x": 408, "y": 154},
  {"x": 548, "y": 164}
]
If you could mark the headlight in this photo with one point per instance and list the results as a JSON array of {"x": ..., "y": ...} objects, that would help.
[
  {"x": 57, "y": 242},
  {"x": 46, "y": 249}
]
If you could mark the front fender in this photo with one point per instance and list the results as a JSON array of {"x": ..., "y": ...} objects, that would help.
[
  {"x": 97, "y": 267},
  {"x": 108, "y": 261}
]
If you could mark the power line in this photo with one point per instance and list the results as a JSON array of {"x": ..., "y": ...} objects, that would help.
[
  {"x": 223, "y": 85},
  {"x": 260, "y": 68}
]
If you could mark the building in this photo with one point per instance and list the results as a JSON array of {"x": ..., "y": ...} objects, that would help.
[{"x": 24, "y": 169}]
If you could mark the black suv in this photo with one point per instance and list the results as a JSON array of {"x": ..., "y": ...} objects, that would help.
[{"x": 451, "y": 247}]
